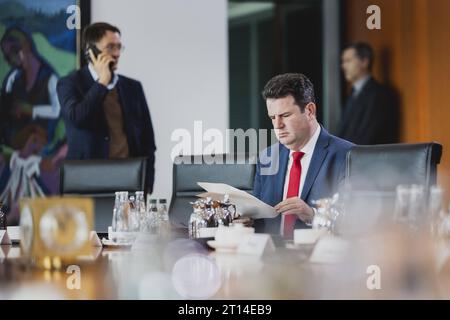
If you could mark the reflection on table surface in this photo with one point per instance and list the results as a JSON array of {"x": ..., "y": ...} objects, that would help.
[{"x": 186, "y": 269}]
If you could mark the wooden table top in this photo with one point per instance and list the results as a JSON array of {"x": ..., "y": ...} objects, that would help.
[{"x": 186, "y": 269}]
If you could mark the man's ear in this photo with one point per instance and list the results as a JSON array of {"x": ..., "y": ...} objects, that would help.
[{"x": 310, "y": 110}]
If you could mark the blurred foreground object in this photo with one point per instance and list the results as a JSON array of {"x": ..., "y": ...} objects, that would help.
[
  {"x": 55, "y": 230},
  {"x": 3, "y": 221}
]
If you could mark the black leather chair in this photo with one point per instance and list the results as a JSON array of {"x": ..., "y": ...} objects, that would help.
[
  {"x": 383, "y": 167},
  {"x": 373, "y": 172},
  {"x": 188, "y": 170},
  {"x": 99, "y": 179}
]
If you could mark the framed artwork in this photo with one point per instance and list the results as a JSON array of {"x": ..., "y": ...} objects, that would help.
[{"x": 39, "y": 42}]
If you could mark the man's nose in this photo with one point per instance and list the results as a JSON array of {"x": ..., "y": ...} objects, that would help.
[{"x": 278, "y": 123}]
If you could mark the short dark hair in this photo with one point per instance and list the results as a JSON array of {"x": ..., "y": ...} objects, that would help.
[
  {"x": 295, "y": 84},
  {"x": 94, "y": 32},
  {"x": 363, "y": 51}
]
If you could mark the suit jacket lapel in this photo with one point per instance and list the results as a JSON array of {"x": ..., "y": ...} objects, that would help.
[
  {"x": 126, "y": 114},
  {"x": 280, "y": 177},
  {"x": 122, "y": 96},
  {"x": 320, "y": 152},
  {"x": 87, "y": 81}
]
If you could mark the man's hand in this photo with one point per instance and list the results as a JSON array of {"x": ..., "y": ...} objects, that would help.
[
  {"x": 296, "y": 206},
  {"x": 101, "y": 66}
]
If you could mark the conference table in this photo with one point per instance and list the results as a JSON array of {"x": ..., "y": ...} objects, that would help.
[
  {"x": 156, "y": 271},
  {"x": 179, "y": 268}
]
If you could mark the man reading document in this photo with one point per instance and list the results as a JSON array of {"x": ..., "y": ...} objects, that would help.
[{"x": 306, "y": 164}]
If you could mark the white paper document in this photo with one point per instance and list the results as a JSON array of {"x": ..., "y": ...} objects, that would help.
[{"x": 246, "y": 204}]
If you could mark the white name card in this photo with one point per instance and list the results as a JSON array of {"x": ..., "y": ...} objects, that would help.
[
  {"x": 207, "y": 232},
  {"x": 256, "y": 244},
  {"x": 94, "y": 239},
  {"x": 308, "y": 236},
  {"x": 14, "y": 233},
  {"x": 4, "y": 238},
  {"x": 329, "y": 249}
]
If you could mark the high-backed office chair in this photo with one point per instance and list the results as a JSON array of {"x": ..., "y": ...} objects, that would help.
[
  {"x": 188, "y": 170},
  {"x": 99, "y": 179},
  {"x": 383, "y": 167},
  {"x": 373, "y": 172}
]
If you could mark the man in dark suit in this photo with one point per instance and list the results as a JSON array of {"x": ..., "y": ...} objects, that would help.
[
  {"x": 370, "y": 114},
  {"x": 106, "y": 114},
  {"x": 307, "y": 164}
]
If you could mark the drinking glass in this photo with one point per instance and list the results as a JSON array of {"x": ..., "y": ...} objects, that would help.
[
  {"x": 410, "y": 205},
  {"x": 402, "y": 202}
]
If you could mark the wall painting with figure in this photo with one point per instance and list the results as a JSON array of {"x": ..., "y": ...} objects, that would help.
[{"x": 38, "y": 46}]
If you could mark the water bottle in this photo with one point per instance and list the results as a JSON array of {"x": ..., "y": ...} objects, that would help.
[
  {"x": 140, "y": 209},
  {"x": 153, "y": 218},
  {"x": 197, "y": 220},
  {"x": 120, "y": 212},
  {"x": 116, "y": 211},
  {"x": 163, "y": 215},
  {"x": 133, "y": 221},
  {"x": 195, "y": 223},
  {"x": 162, "y": 210},
  {"x": 3, "y": 222}
]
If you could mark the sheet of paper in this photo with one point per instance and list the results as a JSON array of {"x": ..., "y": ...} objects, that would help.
[{"x": 246, "y": 204}]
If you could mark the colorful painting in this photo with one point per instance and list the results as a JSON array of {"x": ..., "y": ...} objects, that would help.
[{"x": 37, "y": 49}]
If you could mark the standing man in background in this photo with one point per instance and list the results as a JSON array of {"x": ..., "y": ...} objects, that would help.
[
  {"x": 106, "y": 114},
  {"x": 370, "y": 114}
]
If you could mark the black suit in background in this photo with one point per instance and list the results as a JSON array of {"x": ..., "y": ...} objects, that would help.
[
  {"x": 372, "y": 117},
  {"x": 81, "y": 100}
]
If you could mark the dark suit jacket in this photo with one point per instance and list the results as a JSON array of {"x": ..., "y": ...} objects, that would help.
[
  {"x": 326, "y": 171},
  {"x": 372, "y": 117},
  {"x": 81, "y": 100}
]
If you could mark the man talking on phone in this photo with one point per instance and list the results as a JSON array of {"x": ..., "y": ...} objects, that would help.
[{"x": 106, "y": 114}]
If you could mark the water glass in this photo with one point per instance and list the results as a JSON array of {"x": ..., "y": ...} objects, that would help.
[
  {"x": 435, "y": 208},
  {"x": 410, "y": 205}
]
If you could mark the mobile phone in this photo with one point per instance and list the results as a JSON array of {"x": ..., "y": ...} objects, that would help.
[{"x": 96, "y": 51}]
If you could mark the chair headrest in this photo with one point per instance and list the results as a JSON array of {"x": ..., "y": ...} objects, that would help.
[
  {"x": 236, "y": 170},
  {"x": 103, "y": 176},
  {"x": 382, "y": 167}
]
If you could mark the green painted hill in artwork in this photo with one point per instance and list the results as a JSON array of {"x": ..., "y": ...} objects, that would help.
[{"x": 63, "y": 61}]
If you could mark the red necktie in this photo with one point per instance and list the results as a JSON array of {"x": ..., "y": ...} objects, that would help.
[{"x": 293, "y": 187}]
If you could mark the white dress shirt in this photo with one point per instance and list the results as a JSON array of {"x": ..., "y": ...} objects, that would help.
[
  {"x": 308, "y": 151},
  {"x": 357, "y": 87},
  {"x": 95, "y": 76}
]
